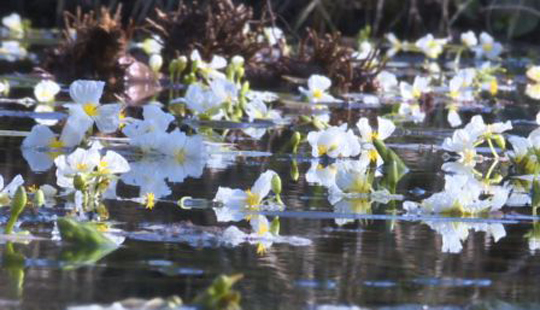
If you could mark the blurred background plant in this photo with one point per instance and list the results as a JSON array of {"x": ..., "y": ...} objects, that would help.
[{"x": 510, "y": 19}]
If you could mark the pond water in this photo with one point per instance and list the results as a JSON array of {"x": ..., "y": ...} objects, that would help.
[{"x": 367, "y": 254}]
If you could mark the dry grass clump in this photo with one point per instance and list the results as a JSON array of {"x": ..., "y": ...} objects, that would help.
[{"x": 215, "y": 27}]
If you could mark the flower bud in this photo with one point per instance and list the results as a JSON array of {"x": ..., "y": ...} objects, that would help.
[
  {"x": 39, "y": 198},
  {"x": 173, "y": 67},
  {"x": 276, "y": 184},
  {"x": 501, "y": 142},
  {"x": 295, "y": 141},
  {"x": 155, "y": 62},
  {"x": 181, "y": 64},
  {"x": 238, "y": 61},
  {"x": 79, "y": 182},
  {"x": 275, "y": 226},
  {"x": 295, "y": 173},
  {"x": 17, "y": 206}
]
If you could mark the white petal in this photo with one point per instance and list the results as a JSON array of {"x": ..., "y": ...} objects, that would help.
[{"x": 86, "y": 91}]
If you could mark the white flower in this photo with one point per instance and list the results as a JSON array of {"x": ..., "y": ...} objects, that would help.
[
  {"x": 112, "y": 163},
  {"x": 186, "y": 155},
  {"x": 385, "y": 129},
  {"x": 455, "y": 233},
  {"x": 87, "y": 110},
  {"x": 533, "y": 91},
  {"x": 259, "y": 224},
  {"x": 352, "y": 178},
  {"x": 202, "y": 100},
  {"x": 273, "y": 35},
  {"x": 81, "y": 161},
  {"x": 45, "y": 90},
  {"x": 12, "y": 51},
  {"x": 151, "y": 45},
  {"x": 318, "y": 86},
  {"x": 8, "y": 191},
  {"x": 334, "y": 142},
  {"x": 210, "y": 69},
  {"x": 224, "y": 89},
  {"x": 387, "y": 81},
  {"x": 430, "y": 46},
  {"x": 236, "y": 201},
  {"x": 469, "y": 39},
  {"x": 42, "y": 136},
  {"x": 462, "y": 144},
  {"x": 321, "y": 175},
  {"x": 365, "y": 50},
  {"x": 148, "y": 133},
  {"x": 458, "y": 91},
  {"x": 465, "y": 195},
  {"x": 412, "y": 112},
  {"x": 477, "y": 127},
  {"x": 488, "y": 47},
  {"x": 256, "y": 109},
  {"x": 155, "y": 62},
  {"x": 4, "y": 87},
  {"x": 419, "y": 87},
  {"x": 13, "y": 22},
  {"x": 533, "y": 73},
  {"x": 453, "y": 117},
  {"x": 148, "y": 174},
  {"x": 395, "y": 45}
]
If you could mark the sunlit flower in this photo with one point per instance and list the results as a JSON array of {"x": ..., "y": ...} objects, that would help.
[
  {"x": 533, "y": 73},
  {"x": 395, "y": 45},
  {"x": 462, "y": 195},
  {"x": 87, "y": 110},
  {"x": 430, "y": 46},
  {"x": 488, "y": 47},
  {"x": 202, "y": 100},
  {"x": 385, "y": 129},
  {"x": 81, "y": 161},
  {"x": 477, "y": 128},
  {"x": 353, "y": 178},
  {"x": 225, "y": 90},
  {"x": 212, "y": 68},
  {"x": 387, "y": 81},
  {"x": 415, "y": 91},
  {"x": 469, "y": 39},
  {"x": 147, "y": 133},
  {"x": 259, "y": 224},
  {"x": 462, "y": 143},
  {"x": 14, "y": 24},
  {"x": 186, "y": 155},
  {"x": 42, "y": 136},
  {"x": 46, "y": 90},
  {"x": 318, "y": 86},
  {"x": 334, "y": 142},
  {"x": 151, "y": 45},
  {"x": 12, "y": 51},
  {"x": 457, "y": 90},
  {"x": 112, "y": 163},
  {"x": 4, "y": 87},
  {"x": 236, "y": 201},
  {"x": 256, "y": 109}
]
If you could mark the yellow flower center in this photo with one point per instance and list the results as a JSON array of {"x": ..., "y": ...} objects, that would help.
[
  {"x": 488, "y": 47},
  {"x": 454, "y": 94},
  {"x": 374, "y": 135},
  {"x": 103, "y": 167},
  {"x": 150, "y": 200},
  {"x": 373, "y": 155},
  {"x": 360, "y": 186},
  {"x": 317, "y": 94},
  {"x": 323, "y": 149},
  {"x": 469, "y": 157},
  {"x": 416, "y": 93},
  {"x": 82, "y": 166},
  {"x": 55, "y": 143},
  {"x": 180, "y": 156},
  {"x": 261, "y": 249},
  {"x": 493, "y": 87},
  {"x": 91, "y": 109},
  {"x": 252, "y": 199}
]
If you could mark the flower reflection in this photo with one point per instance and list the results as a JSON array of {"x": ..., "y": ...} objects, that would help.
[{"x": 455, "y": 233}]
